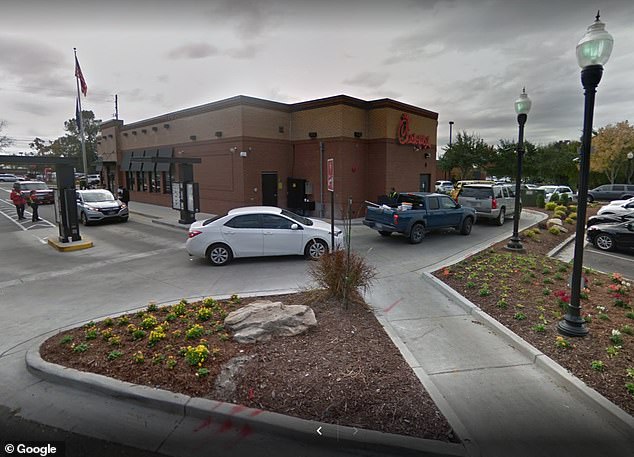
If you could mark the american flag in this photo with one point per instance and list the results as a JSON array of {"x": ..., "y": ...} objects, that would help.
[{"x": 79, "y": 75}]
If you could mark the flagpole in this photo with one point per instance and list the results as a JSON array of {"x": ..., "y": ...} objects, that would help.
[{"x": 81, "y": 128}]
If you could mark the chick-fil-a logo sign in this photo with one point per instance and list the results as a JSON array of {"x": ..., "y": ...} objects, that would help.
[{"x": 405, "y": 137}]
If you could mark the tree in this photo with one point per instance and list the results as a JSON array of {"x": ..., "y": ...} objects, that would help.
[
  {"x": 69, "y": 145},
  {"x": 553, "y": 163},
  {"x": 610, "y": 147},
  {"x": 5, "y": 141},
  {"x": 467, "y": 154}
]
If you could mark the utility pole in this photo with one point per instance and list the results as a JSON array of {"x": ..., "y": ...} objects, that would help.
[{"x": 116, "y": 107}]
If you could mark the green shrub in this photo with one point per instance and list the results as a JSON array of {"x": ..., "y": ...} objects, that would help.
[
  {"x": 554, "y": 230},
  {"x": 564, "y": 198},
  {"x": 550, "y": 206},
  {"x": 569, "y": 220},
  {"x": 342, "y": 273},
  {"x": 540, "y": 201},
  {"x": 554, "y": 198}
]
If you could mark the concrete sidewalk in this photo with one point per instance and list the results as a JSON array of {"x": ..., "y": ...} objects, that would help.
[{"x": 501, "y": 395}]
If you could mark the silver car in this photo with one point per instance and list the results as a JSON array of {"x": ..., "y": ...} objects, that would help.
[
  {"x": 100, "y": 205},
  {"x": 491, "y": 201}
]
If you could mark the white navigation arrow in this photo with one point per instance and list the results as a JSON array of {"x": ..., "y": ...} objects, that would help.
[
  {"x": 319, "y": 431},
  {"x": 355, "y": 431}
]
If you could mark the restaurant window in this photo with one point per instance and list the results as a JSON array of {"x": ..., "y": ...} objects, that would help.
[
  {"x": 167, "y": 180},
  {"x": 155, "y": 182},
  {"x": 130, "y": 181}
]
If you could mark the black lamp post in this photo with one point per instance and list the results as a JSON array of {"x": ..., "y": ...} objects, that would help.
[
  {"x": 450, "y": 131},
  {"x": 522, "y": 107},
  {"x": 593, "y": 51},
  {"x": 630, "y": 156}
]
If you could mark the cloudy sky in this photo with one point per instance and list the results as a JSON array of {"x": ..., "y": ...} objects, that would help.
[{"x": 465, "y": 59}]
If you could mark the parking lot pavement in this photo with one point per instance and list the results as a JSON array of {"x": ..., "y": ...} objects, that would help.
[{"x": 606, "y": 262}]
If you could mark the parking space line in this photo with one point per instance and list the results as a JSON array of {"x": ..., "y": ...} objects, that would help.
[{"x": 594, "y": 251}]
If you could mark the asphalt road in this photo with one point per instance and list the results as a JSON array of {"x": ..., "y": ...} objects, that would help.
[{"x": 131, "y": 264}]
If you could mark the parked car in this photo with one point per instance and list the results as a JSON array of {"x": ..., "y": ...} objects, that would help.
[
  {"x": 623, "y": 208},
  {"x": 256, "y": 231},
  {"x": 8, "y": 177},
  {"x": 100, "y": 205},
  {"x": 443, "y": 187},
  {"x": 611, "y": 192},
  {"x": 43, "y": 195},
  {"x": 619, "y": 202},
  {"x": 608, "y": 237},
  {"x": 610, "y": 219},
  {"x": 549, "y": 191},
  {"x": 94, "y": 180},
  {"x": 490, "y": 201}
]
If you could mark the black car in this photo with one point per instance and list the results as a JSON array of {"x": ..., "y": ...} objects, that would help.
[
  {"x": 610, "y": 219},
  {"x": 608, "y": 237}
]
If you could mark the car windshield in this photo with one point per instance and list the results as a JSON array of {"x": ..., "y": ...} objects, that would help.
[
  {"x": 296, "y": 217},
  {"x": 33, "y": 186},
  {"x": 98, "y": 197}
]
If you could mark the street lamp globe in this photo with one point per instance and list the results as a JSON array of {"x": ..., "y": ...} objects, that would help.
[
  {"x": 523, "y": 104},
  {"x": 595, "y": 46},
  {"x": 630, "y": 155}
]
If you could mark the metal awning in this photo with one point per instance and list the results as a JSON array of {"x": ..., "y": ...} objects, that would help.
[
  {"x": 136, "y": 165},
  {"x": 125, "y": 161},
  {"x": 147, "y": 166},
  {"x": 165, "y": 153}
]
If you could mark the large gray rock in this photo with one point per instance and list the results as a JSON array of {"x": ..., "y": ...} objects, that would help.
[{"x": 262, "y": 319}]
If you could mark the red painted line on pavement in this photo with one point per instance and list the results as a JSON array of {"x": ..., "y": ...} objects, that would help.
[{"x": 389, "y": 308}]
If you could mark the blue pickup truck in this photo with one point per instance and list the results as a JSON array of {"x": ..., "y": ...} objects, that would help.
[{"x": 415, "y": 213}]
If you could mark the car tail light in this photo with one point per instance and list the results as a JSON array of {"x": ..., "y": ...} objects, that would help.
[
  {"x": 193, "y": 233},
  {"x": 395, "y": 219},
  {"x": 494, "y": 204}
]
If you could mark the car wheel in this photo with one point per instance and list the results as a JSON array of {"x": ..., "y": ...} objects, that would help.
[
  {"x": 590, "y": 198},
  {"x": 385, "y": 233},
  {"x": 315, "y": 249},
  {"x": 501, "y": 217},
  {"x": 124, "y": 219},
  {"x": 219, "y": 254},
  {"x": 467, "y": 224},
  {"x": 83, "y": 219},
  {"x": 417, "y": 234},
  {"x": 604, "y": 242}
]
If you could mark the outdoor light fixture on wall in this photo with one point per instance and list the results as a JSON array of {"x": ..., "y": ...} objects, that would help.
[
  {"x": 166, "y": 126},
  {"x": 218, "y": 134},
  {"x": 192, "y": 137},
  {"x": 312, "y": 134},
  {"x": 593, "y": 51},
  {"x": 155, "y": 129},
  {"x": 358, "y": 134},
  {"x": 522, "y": 107}
]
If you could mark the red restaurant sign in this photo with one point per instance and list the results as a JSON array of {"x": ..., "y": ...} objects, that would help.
[{"x": 405, "y": 137}]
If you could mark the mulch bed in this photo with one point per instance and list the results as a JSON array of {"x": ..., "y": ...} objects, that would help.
[
  {"x": 521, "y": 292},
  {"x": 344, "y": 371}
]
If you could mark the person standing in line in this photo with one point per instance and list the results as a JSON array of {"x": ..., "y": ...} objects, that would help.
[
  {"x": 125, "y": 196},
  {"x": 32, "y": 200},
  {"x": 393, "y": 195},
  {"x": 18, "y": 200}
]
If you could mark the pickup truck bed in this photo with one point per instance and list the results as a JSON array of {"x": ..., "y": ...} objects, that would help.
[{"x": 429, "y": 211}]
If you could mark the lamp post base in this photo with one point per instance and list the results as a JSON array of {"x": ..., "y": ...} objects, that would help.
[
  {"x": 515, "y": 245},
  {"x": 570, "y": 326}
]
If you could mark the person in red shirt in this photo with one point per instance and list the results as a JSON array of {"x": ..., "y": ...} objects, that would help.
[
  {"x": 32, "y": 201},
  {"x": 18, "y": 200}
]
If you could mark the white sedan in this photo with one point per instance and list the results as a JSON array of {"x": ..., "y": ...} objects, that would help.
[
  {"x": 256, "y": 231},
  {"x": 627, "y": 207}
]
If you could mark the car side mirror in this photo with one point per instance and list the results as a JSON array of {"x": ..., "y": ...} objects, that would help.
[
  {"x": 458, "y": 205},
  {"x": 294, "y": 227}
]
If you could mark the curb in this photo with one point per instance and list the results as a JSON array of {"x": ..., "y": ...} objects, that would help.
[
  {"x": 561, "y": 246},
  {"x": 332, "y": 435},
  {"x": 608, "y": 410}
]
